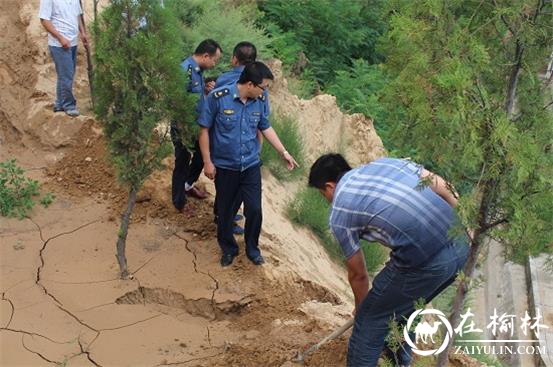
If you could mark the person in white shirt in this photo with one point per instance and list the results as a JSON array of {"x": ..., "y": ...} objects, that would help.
[{"x": 62, "y": 19}]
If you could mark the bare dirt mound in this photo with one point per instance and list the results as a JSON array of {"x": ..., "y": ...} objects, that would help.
[
  {"x": 17, "y": 74},
  {"x": 85, "y": 171},
  {"x": 323, "y": 127}
]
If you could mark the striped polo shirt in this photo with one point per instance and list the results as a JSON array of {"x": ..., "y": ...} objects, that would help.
[{"x": 384, "y": 202}]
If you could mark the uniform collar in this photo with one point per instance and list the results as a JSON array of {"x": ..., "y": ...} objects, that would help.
[
  {"x": 233, "y": 91},
  {"x": 194, "y": 64},
  {"x": 239, "y": 69}
]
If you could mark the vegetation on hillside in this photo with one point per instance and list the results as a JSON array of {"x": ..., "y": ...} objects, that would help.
[
  {"x": 19, "y": 194},
  {"x": 472, "y": 105},
  {"x": 311, "y": 210}
]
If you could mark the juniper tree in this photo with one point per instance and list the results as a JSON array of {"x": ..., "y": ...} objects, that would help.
[
  {"x": 138, "y": 84},
  {"x": 473, "y": 106}
]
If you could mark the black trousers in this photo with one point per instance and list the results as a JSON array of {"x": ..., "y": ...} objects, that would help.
[
  {"x": 231, "y": 186},
  {"x": 186, "y": 170}
]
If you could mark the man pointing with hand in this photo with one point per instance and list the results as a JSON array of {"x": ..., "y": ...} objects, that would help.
[{"x": 230, "y": 150}]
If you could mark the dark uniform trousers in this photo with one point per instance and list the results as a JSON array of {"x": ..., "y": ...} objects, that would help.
[
  {"x": 231, "y": 186},
  {"x": 185, "y": 171}
]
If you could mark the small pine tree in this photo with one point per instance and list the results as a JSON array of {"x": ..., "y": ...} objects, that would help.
[
  {"x": 138, "y": 84},
  {"x": 472, "y": 104}
]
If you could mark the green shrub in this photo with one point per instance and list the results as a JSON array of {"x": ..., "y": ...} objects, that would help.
[
  {"x": 329, "y": 32},
  {"x": 222, "y": 21},
  {"x": 17, "y": 192},
  {"x": 359, "y": 89},
  {"x": 311, "y": 210},
  {"x": 375, "y": 255},
  {"x": 287, "y": 130}
]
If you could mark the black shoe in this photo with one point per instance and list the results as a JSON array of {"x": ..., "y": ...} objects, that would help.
[
  {"x": 58, "y": 109},
  {"x": 258, "y": 260},
  {"x": 227, "y": 259}
]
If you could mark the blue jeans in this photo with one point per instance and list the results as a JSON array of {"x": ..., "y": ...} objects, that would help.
[
  {"x": 65, "y": 60},
  {"x": 393, "y": 295}
]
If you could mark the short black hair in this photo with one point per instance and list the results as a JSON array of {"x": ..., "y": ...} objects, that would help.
[
  {"x": 210, "y": 79},
  {"x": 255, "y": 73},
  {"x": 209, "y": 47},
  {"x": 245, "y": 52},
  {"x": 328, "y": 168}
]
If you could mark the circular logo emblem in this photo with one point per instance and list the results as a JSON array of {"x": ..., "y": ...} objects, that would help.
[{"x": 425, "y": 332}]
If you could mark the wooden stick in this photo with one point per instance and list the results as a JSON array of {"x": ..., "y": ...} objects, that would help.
[
  {"x": 336, "y": 333},
  {"x": 88, "y": 57}
]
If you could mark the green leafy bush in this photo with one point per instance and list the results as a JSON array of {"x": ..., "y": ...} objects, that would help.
[
  {"x": 358, "y": 89},
  {"x": 222, "y": 21},
  {"x": 287, "y": 130},
  {"x": 17, "y": 192},
  {"x": 329, "y": 32},
  {"x": 311, "y": 210}
]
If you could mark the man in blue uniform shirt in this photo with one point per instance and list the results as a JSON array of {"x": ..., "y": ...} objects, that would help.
[
  {"x": 385, "y": 202},
  {"x": 230, "y": 149},
  {"x": 187, "y": 172},
  {"x": 244, "y": 53}
]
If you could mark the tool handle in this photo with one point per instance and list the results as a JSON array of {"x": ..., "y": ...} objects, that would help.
[{"x": 336, "y": 333}]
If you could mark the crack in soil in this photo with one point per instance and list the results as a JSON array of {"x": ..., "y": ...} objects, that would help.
[
  {"x": 194, "y": 262},
  {"x": 32, "y": 334},
  {"x": 86, "y": 352},
  {"x": 223, "y": 308},
  {"x": 37, "y": 353},
  {"x": 12, "y": 309},
  {"x": 195, "y": 307},
  {"x": 59, "y": 304}
]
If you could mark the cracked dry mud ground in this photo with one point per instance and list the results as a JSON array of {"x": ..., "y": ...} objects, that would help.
[{"x": 62, "y": 302}]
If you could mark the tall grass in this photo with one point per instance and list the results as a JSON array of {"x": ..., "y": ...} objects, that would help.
[
  {"x": 287, "y": 130},
  {"x": 311, "y": 210}
]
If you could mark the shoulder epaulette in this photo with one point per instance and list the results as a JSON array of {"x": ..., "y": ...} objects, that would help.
[
  {"x": 220, "y": 93},
  {"x": 189, "y": 69},
  {"x": 263, "y": 97}
]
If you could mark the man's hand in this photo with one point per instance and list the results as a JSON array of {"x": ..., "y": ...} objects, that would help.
[
  {"x": 209, "y": 170},
  {"x": 209, "y": 87},
  {"x": 290, "y": 161},
  {"x": 84, "y": 38},
  {"x": 64, "y": 42}
]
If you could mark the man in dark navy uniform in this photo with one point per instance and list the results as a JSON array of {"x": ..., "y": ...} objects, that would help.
[
  {"x": 229, "y": 122},
  {"x": 187, "y": 172},
  {"x": 244, "y": 53}
]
